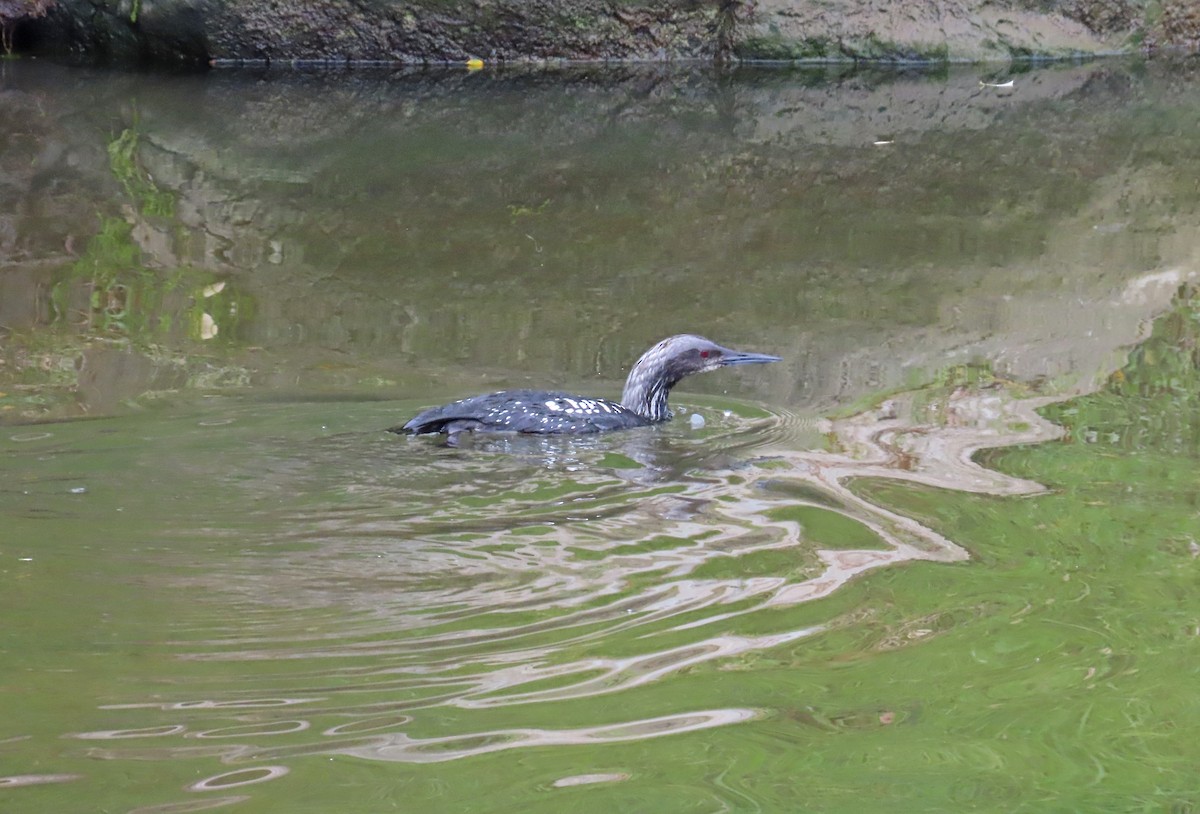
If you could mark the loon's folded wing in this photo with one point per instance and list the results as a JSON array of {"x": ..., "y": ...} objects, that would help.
[{"x": 527, "y": 411}]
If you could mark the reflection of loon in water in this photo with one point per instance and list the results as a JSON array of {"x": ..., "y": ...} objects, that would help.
[{"x": 643, "y": 402}]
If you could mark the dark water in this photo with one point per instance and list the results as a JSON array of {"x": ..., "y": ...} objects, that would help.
[{"x": 942, "y": 558}]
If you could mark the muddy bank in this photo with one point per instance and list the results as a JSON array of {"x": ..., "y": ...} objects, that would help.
[{"x": 430, "y": 31}]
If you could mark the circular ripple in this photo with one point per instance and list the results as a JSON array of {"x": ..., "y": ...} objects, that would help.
[
  {"x": 191, "y": 805},
  {"x": 250, "y": 703},
  {"x": 588, "y": 779},
  {"x": 148, "y": 732},
  {"x": 275, "y": 728},
  {"x": 12, "y": 781},
  {"x": 25, "y": 437},
  {"x": 239, "y": 777},
  {"x": 368, "y": 725}
]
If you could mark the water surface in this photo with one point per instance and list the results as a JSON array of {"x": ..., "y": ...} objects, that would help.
[{"x": 943, "y": 557}]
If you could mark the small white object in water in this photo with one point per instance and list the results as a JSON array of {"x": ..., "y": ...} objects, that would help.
[
  {"x": 208, "y": 326},
  {"x": 697, "y": 421},
  {"x": 25, "y": 559},
  {"x": 212, "y": 290},
  {"x": 728, "y": 413},
  {"x": 1007, "y": 84},
  {"x": 77, "y": 490},
  {"x": 883, "y": 141}
]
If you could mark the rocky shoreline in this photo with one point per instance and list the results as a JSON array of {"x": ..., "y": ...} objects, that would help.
[{"x": 428, "y": 32}]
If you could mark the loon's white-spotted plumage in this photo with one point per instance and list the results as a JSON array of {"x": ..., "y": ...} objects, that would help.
[{"x": 643, "y": 401}]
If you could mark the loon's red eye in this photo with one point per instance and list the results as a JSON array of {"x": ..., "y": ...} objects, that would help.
[{"x": 703, "y": 354}]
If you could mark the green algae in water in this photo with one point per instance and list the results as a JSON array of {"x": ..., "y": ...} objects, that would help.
[
  {"x": 792, "y": 563},
  {"x": 827, "y": 529},
  {"x": 1056, "y": 671}
]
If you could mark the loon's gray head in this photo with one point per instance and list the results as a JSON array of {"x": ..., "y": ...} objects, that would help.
[{"x": 662, "y": 367}]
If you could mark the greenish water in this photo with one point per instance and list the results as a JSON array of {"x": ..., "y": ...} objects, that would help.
[{"x": 944, "y": 557}]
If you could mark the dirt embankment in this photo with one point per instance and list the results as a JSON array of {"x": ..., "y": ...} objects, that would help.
[{"x": 430, "y": 31}]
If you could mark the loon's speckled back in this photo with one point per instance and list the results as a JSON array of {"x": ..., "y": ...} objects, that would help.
[
  {"x": 643, "y": 402},
  {"x": 532, "y": 411}
]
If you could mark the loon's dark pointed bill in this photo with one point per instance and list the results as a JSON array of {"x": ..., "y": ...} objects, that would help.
[{"x": 736, "y": 357}]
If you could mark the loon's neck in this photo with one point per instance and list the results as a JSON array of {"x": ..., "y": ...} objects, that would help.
[
  {"x": 649, "y": 383},
  {"x": 647, "y": 399}
]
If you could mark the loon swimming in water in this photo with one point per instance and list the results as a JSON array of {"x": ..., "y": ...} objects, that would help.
[{"x": 643, "y": 402}]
